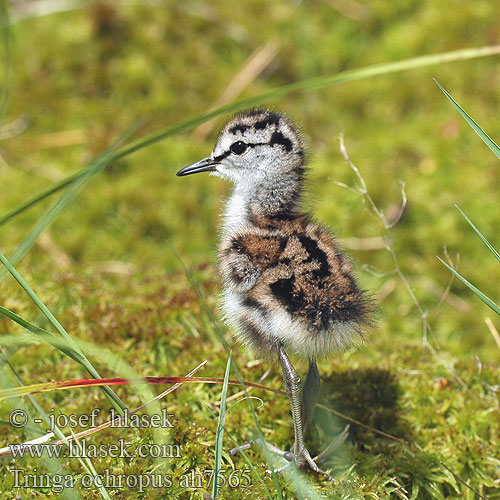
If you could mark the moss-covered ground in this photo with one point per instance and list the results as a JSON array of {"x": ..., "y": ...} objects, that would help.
[{"x": 107, "y": 270}]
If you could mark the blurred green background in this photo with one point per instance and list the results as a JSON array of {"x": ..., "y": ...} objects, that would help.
[
  {"x": 80, "y": 78},
  {"x": 80, "y": 75}
]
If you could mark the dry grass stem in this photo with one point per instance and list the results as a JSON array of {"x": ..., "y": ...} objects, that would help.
[
  {"x": 361, "y": 424},
  {"x": 6, "y": 451},
  {"x": 362, "y": 191},
  {"x": 458, "y": 478},
  {"x": 366, "y": 244},
  {"x": 493, "y": 330},
  {"x": 253, "y": 67}
]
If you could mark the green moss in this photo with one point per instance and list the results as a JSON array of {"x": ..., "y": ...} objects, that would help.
[{"x": 108, "y": 275}]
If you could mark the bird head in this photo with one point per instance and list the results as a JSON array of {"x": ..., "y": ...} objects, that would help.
[{"x": 253, "y": 146}]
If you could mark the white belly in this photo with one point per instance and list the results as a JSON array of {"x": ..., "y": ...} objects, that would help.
[{"x": 279, "y": 326}]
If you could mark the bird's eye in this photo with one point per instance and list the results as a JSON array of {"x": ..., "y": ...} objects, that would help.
[{"x": 238, "y": 147}]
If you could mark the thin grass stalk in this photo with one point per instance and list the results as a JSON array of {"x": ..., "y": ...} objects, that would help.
[
  {"x": 219, "y": 440},
  {"x": 222, "y": 340},
  {"x": 89, "y": 468},
  {"x": 70, "y": 492},
  {"x": 271, "y": 95},
  {"x": 110, "y": 394},
  {"x": 479, "y": 131},
  {"x": 244, "y": 455},
  {"x": 485, "y": 241},
  {"x": 478, "y": 292},
  {"x": 362, "y": 191}
]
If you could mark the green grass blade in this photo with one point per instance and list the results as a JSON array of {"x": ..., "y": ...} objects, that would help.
[
  {"x": 6, "y": 56},
  {"x": 244, "y": 456},
  {"x": 65, "y": 200},
  {"x": 34, "y": 297},
  {"x": 478, "y": 292},
  {"x": 45, "y": 335},
  {"x": 42, "y": 195},
  {"x": 219, "y": 440},
  {"x": 48, "y": 218},
  {"x": 110, "y": 394},
  {"x": 485, "y": 241},
  {"x": 68, "y": 347},
  {"x": 266, "y": 97},
  {"x": 96, "y": 165},
  {"x": 312, "y": 84},
  {"x": 90, "y": 470},
  {"x": 67, "y": 492},
  {"x": 222, "y": 340},
  {"x": 479, "y": 131}
]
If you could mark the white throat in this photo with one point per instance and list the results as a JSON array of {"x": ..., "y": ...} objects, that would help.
[{"x": 236, "y": 211}]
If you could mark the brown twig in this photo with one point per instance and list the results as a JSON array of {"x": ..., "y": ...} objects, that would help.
[
  {"x": 242, "y": 393},
  {"x": 361, "y": 424},
  {"x": 458, "y": 478}
]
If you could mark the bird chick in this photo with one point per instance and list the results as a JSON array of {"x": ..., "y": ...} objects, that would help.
[{"x": 287, "y": 286}]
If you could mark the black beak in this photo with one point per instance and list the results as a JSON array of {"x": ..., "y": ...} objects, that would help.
[{"x": 205, "y": 165}]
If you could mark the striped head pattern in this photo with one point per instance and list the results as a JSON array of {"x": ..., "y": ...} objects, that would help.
[{"x": 253, "y": 146}]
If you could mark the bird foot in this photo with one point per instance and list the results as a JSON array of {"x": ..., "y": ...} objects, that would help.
[
  {"x": 301, "y": 457},
  {"x": 303, "y": 460}
]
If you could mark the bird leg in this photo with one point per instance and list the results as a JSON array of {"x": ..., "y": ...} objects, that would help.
[
  {"x": 302, "y": 402},
  {"x": 293, "y": 388}
]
